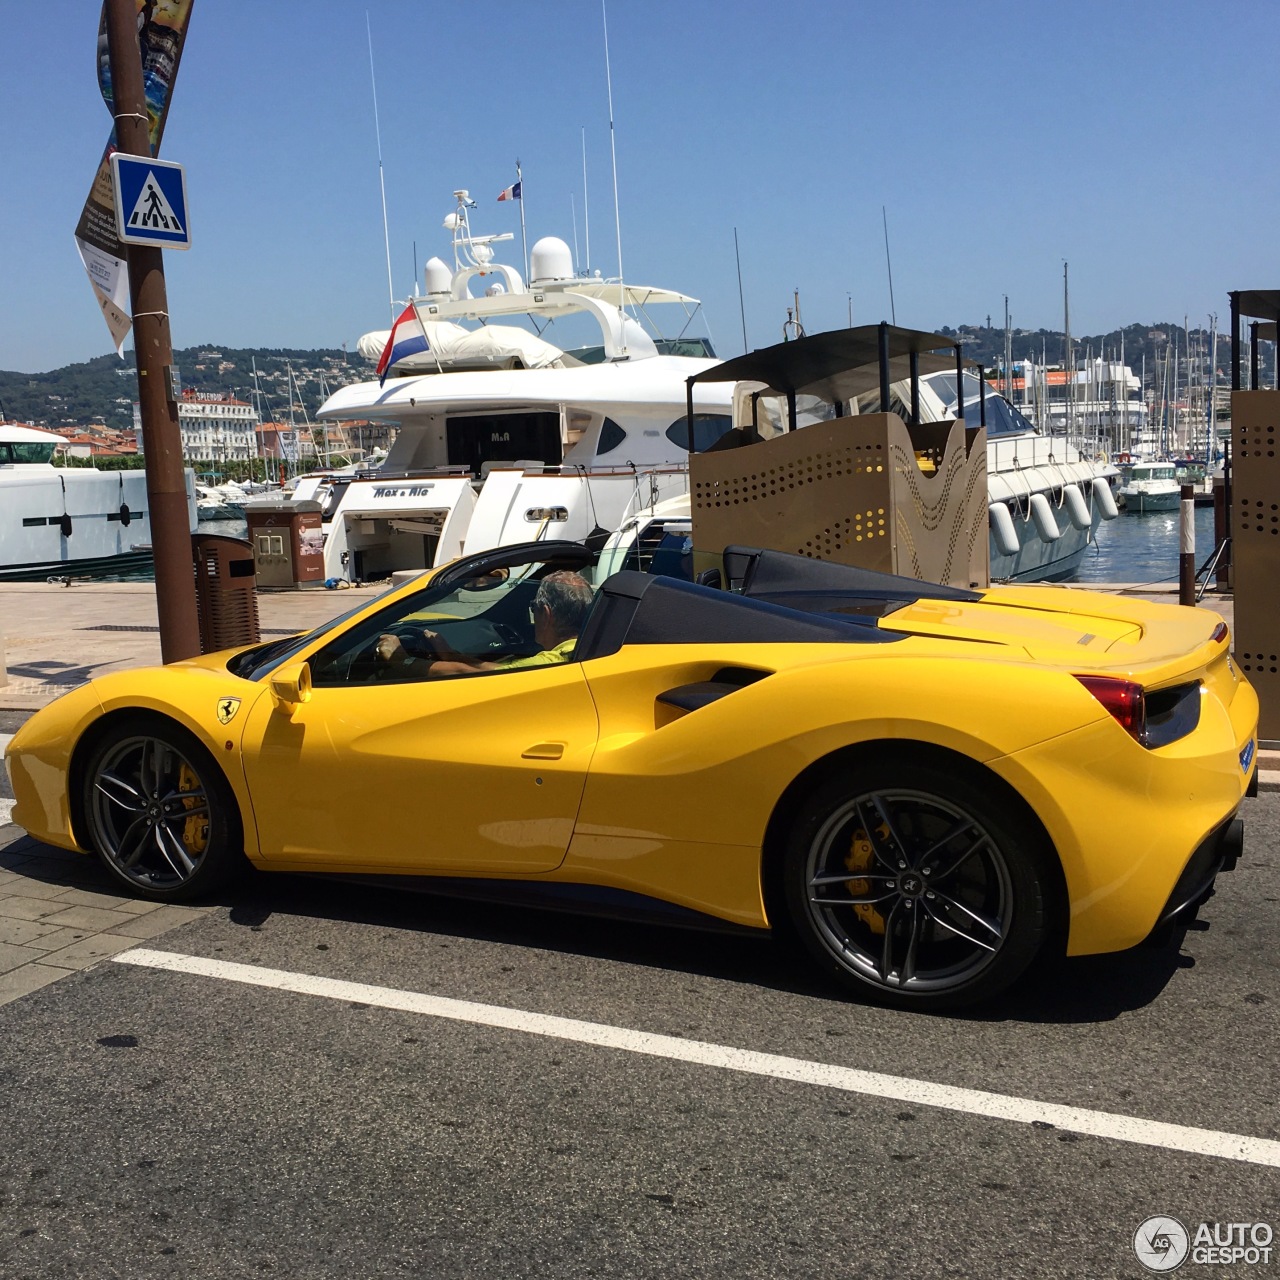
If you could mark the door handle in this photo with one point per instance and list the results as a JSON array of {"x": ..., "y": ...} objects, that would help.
[{"x": 543, "y": 751}]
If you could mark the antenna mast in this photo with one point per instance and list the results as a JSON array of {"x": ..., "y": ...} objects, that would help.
[
  {"x": 382, "y": 182},
  {"x": 893, "y": 314},
  {"x": 742, "y": 307},
  {"x": 586, "y": 212},
  {"x": 613, "y": 150}
]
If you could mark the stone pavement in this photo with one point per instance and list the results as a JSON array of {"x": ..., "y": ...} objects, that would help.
[
  {"x": 59, "y": 913},
  {"x": 53, "y": 638}
]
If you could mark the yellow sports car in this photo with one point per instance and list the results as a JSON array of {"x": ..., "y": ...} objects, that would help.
[{"x": 928, "y": 786}]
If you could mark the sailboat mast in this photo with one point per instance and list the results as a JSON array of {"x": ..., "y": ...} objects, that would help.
[
  {"x": 1211, "y": 420},
  {"x": 1068, "y": 356}
]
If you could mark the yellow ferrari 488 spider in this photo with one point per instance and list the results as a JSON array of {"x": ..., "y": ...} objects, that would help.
[{"x": 927, "y": 786}]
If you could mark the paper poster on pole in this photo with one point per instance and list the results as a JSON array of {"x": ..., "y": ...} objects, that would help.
[{"x": 161, "y": 32}]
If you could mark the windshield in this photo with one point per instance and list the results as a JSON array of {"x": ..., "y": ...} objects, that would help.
[
  {"x": 488, "y": 622},
  {"x": 11, "y": 453},
  {"x": 255, "y": 663}
]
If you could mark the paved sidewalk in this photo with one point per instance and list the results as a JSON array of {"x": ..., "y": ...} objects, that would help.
[
  {"x": 59, "y": 913},
  {"x": 53, "y": 638}
]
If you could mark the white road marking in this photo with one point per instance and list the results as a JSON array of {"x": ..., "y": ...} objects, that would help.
[{"x": 1100, "y": 1124}]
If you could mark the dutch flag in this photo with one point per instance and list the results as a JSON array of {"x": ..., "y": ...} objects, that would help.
[{"x": 406, "y": 338}]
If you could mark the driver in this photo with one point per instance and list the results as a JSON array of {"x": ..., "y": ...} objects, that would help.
[{"x": 559, "y": 610}]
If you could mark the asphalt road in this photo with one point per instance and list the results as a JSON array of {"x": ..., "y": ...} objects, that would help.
[{"x": 181, "y": 1125}]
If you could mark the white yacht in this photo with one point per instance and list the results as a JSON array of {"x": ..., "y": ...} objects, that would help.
[
  {"x": 504, "y": 436},
  {"x": 56, "y": 521},
  {"x": 1149, "y": 486},
  {"x": 1045, "y": 497}
]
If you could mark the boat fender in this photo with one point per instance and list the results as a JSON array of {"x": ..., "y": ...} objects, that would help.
[
  {"x": 1105, "y": 499},
  {"x": 65, "y": 525},
  {"x": 1002, "y": 530},
  {"x": 125, "y": 514},
  {"x": 1042, "y": 515},
  {"x": 1077, "y": 507}
]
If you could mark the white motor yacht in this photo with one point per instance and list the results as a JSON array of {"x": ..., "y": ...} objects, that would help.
[
  {"x": 505, "y": 436},
  {"x": 1149, "y": 486},
  {"x": 56, "y": 521}
]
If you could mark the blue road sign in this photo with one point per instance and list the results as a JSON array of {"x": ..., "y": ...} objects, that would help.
[{"x": 151, "y": 202}]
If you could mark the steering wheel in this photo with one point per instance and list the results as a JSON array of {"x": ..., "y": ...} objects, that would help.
[{"x": 509, "y": 635}]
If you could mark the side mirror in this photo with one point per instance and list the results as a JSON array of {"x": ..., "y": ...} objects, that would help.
[{"x": 291, "y": 685}]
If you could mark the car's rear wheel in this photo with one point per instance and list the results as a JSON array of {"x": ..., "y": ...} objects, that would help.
[
  {"x": 915, "y": 885},
  {"x": 160, "y": 814}
]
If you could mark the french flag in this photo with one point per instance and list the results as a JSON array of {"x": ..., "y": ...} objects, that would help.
[
  {"x": 510, "y": 193},
  {"x": 407, "y": 338}
]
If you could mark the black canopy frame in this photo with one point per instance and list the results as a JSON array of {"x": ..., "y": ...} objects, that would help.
[
  {"x": 1256, "y": 305},
  {"x": 843, "y": 364}
]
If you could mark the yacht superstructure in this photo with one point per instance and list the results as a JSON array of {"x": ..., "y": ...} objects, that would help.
[{"x": 505, "y": 436}]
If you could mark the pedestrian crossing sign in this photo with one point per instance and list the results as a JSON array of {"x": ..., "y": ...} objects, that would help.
[{"x": 151, "y": 201}]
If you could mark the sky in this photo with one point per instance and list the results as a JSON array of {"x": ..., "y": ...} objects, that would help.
[{"x": 998, "y": 141}]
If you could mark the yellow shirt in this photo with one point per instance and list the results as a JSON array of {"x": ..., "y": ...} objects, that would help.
[{"x": 547, "y": 658}]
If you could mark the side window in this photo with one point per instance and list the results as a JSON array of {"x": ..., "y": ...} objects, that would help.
[
  {"x": 707, "y": 429},
  {"x": 484, "y": 619},
  {"x": 611, "y": 436}
]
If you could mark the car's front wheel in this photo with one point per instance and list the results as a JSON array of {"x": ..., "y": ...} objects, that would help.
[
  {"x": 159, "y": 812},
  {"x": 915, "y": 885}
]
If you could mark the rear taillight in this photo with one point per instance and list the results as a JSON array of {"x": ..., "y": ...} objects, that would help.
[
  {"x": 1219, "y": 633},
  {"x": 1123, "y": 699}
]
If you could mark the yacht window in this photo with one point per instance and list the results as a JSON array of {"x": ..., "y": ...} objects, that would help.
[
  {"x": 475, "y": 439},
  {"x": 611, "y": 436},
  {"x": 25, "y": 453},
  {"x": 707, "y": 429}
]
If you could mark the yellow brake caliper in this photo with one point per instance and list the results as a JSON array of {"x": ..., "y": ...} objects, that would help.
[
  {"x": 195, "y": 831},
  {"x": 862, "y": 857}
]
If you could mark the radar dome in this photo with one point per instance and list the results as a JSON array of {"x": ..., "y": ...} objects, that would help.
[
  {"x": 439, "y": 278},
  {"x": 550, "y": 260}
]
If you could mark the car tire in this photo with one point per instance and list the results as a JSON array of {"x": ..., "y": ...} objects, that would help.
[
  {"x": 916, "y": 884},
  {"x": 159, "y": 812}
]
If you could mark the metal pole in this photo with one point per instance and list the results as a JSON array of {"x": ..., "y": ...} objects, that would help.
[
  {"x": 959, "y": 383},
  {"x": 884, "y": 367},
  {"x": 1235, "y": 341},
  {"x": 153, "y": 348},
  {"x": 982, "y": 396},
  {"x": 1187, "y": 546},
  {"x": 915, "y": 388}
]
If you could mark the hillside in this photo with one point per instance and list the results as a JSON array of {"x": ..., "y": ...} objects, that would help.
[{"x": 103, "y": 390}]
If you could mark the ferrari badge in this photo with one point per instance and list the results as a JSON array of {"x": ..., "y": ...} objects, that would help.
[{"x": 227, "y": 708}]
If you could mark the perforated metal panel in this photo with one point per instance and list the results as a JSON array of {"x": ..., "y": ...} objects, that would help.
[
  {"x": 853, "y": 491},
  {"x": 1255, "y": 531}
]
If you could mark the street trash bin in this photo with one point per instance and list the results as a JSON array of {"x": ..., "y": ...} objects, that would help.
[{"x": 226, "y": 597}]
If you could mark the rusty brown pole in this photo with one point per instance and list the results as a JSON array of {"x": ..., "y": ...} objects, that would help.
[{"x": 161, "y": 439}]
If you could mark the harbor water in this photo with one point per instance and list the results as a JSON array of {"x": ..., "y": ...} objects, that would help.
[{"x": 1143, "y": 548}]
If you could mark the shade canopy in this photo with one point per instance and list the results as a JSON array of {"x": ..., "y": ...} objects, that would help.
[
  {"x": 1258, "y": 304},
  {"x": 840, "y": 365}
]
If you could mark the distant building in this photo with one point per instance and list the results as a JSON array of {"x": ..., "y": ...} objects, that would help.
[{"x": 215, "y": 427}]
